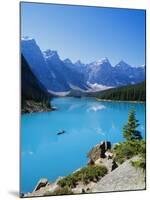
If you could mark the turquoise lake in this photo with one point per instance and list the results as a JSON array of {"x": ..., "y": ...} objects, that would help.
[{"x": 86, "y": 122}]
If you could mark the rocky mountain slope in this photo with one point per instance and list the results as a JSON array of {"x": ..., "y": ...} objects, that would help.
[
  {"x": 64, "y": 76},
  {"x": 64, "y": 72},
  {"x": 34, "y": 56},
  {"x": 34, "y": 96}
]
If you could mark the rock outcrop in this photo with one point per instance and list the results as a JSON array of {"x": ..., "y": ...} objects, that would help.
[
  {"x": 124, "y": 178},
  {"x": 42, "y": 183},
  {"x": 44, "y": 188},
  {"x": 99, "y": 151}
]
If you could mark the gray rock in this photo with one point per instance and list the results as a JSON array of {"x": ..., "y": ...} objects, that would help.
[
  {"x": 125, "y": 177},
  {"x": 99, "y": 150},
  {"x": 42, "y": 183}
]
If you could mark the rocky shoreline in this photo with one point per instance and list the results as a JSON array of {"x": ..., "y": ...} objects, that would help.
[
  {"x": 30, "y": 106},
  {"x": 118, "y": 177}
]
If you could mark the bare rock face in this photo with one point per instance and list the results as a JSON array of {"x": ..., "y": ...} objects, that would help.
[
  {"x": 42, "y": 183},
  {"x": 125, "y": 177},
  {"x": 99, "y": 150},
  {"x": 44, "y": 188},
  {"x": 34, "y": 96}
]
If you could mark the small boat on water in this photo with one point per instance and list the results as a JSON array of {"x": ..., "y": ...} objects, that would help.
[{"x": 61, "y": 132}]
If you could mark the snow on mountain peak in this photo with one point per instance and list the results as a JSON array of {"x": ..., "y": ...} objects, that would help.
[
  {"x": 26, "y": 38},
  {"x": 104, "y": 60},
  {"x": 101, "y": 61},
  {"x": 50, "y": 54},
  {"x": 98, "y": 75},
  {"x": 27, "y": 42}
]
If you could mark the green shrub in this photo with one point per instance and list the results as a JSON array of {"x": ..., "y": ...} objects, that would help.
[
  {"x": 85, "y": 175},
  {"x": 69, "y": 181},
  {"x": 128, "y": 149},
  {"x": 141, "y": 163}
]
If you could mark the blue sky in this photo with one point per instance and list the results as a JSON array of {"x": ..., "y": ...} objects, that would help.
[{"x": 86, "y": 33}]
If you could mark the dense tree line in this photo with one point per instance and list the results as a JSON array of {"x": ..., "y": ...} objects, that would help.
[{"x": 135, "y": 92}]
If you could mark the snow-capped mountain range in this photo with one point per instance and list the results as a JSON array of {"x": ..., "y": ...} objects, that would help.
[{"x": 60, "y": 77}]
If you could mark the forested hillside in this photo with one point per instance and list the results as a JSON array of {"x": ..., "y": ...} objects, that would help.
[{"x": 126, "y": 93}]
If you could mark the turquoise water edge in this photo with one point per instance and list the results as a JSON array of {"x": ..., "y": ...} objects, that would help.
[{"x": 85, "y": 121}]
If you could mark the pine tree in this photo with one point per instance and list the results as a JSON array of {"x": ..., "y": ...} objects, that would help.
[{"x": 129, "y": 130}]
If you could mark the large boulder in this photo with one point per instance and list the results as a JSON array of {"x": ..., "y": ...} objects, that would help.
[
  {"x": 124, "y": 178},
  {"x": 99, "y": 150},
  {"x": 42, "y": 183}
]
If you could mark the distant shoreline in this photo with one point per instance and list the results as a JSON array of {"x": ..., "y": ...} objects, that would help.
[{"x": 120, "y": 101}]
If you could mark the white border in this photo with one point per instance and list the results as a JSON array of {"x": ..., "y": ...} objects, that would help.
[{"x": 9, "y": 100}]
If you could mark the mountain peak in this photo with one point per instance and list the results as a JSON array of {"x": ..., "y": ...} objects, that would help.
[
  {"x": 26, "y": 38},
  {"x": 67, "y": 61},
  {"x": 50, "y": 54},
  {"x": 105, "y": 59},
  {"x": 79, "y": 63},
  {"x": 101, "y": 61},
  {"x": 123, "y": 64},
  {"x": 28, "y": 41}
]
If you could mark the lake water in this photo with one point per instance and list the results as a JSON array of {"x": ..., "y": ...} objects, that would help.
[{"x": 86, "y": 122}]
